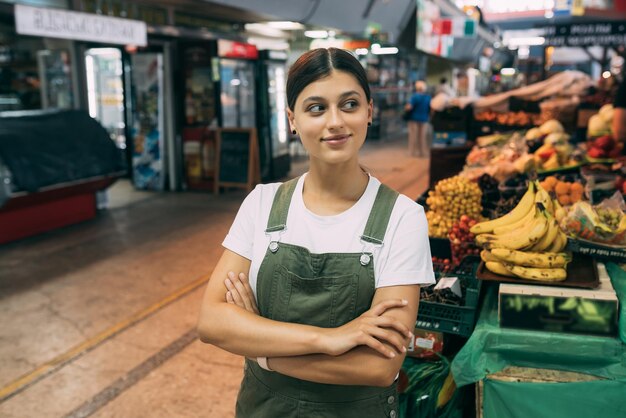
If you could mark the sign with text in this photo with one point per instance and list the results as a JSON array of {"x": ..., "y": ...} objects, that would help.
[
  {"x": 587, "y": 34},
  {"x": 57, "y": 23}
]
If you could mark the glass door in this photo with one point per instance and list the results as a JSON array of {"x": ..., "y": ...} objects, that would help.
[
  {"x": 105, "y": 91},
  {"x": 55, "y": 77},
  {"x": 147, "y": 120},
  {"x": 278, "y": 113},
  {"x": 237, "y": 93}
]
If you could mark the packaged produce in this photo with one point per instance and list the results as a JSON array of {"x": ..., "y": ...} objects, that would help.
[{"x": 604, "y": 223}]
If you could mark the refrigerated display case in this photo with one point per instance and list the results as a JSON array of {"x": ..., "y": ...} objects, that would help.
[
  {"x": 105, "y": 91},
  {"x": 55, "y": 77},
  {"x": 273, "y": 133},
  {"x": 237, "y": 66},
  {"x": 199, "y": 109},
  {"x": 147, "y": 124}
]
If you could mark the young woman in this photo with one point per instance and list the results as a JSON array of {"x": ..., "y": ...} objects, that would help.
[{"x": 329, "y": 265}]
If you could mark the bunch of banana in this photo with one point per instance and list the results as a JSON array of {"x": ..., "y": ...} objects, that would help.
[{"x": 527, "y": 242}]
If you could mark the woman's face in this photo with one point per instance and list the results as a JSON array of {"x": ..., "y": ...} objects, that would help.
[{"x": 331, "y": 116}]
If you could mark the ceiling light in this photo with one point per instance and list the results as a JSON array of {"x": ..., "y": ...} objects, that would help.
[
  {"x": 316, "y": 34},
  {"x": 264, "y": 30},
  {"x": 285, "y": 25},
  {"x": 361, "y": 51},
  {"x": 507, "y": 71},
  {"x": 606, "y": 74},
  {"x": 378, "y": 50}
]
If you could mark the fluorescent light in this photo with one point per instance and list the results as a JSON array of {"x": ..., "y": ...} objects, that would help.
[
  {"x": 316, "y": 34},
  {"x": 526, "y": 41},
  {"x": 263, "y": 29},
  {"x": 361, "y": 51},
  {"x": 507, "y": 71},
  {"x": 267, "y": 43},
  {"x": 606, "y": 74},
  {"x": 378, "y": 50},
  {"x": 285, "y": 25}
]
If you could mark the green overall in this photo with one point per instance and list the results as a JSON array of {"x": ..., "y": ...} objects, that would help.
[{"x": 323, "y": 290}]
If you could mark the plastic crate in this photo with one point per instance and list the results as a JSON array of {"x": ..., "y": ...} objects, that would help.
[{"x": 454, "y": 319}]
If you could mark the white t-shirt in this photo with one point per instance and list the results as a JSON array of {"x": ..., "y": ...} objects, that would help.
[{"x": 403, "y": 259}]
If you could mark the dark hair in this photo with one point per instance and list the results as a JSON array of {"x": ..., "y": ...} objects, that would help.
[{"x": 319, "y": 63}]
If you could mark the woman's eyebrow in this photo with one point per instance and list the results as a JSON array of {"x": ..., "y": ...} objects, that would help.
[{"x": 322, "y": 99}]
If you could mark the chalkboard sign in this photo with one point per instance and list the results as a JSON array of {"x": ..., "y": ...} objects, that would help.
[{"x": 237, "y": 158}]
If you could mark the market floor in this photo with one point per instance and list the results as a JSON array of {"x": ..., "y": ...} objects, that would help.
[{"x": 99, "y": 318}]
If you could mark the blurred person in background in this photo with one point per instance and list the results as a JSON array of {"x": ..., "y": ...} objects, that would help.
[{"x": 419, "y": 108}]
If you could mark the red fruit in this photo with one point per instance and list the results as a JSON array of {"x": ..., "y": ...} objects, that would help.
[
  {"x": 547, "y": 153},
  {"x": 606, "y": 142},
  {"x": 465, "y": 218},
  {"x": 624, "y": 188},
  {"x": 596, "y": 153}
]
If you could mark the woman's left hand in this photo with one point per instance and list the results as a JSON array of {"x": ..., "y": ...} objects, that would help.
[{"x": 240, "y": 293}]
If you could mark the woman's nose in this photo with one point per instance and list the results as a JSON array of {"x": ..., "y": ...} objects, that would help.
[{"x": 335, "y": 119}]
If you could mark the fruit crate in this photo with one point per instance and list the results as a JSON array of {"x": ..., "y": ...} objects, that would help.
[{"x": 454, "y": 319}]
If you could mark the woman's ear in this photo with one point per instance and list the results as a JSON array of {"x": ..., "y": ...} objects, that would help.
[
  {"x": 370, "y": 110},
  {"x": 291, "y": 118}
]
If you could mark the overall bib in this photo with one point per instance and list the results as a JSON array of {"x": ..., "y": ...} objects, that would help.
[{"x": 323, "y": 290}]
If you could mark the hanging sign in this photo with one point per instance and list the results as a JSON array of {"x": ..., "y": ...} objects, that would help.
[
  {"x": 57, "y": 23},
  {"x": 233, "y": 49},
  {"x": 587, "y": 34}
]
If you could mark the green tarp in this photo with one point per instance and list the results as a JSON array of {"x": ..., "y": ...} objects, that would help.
[
  {"x": 600, "y": 398},
  {"x": 491, "y": 349}
]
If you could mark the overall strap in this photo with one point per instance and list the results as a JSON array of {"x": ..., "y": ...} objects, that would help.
[
  {"x": 280, "y": 207},
  {"x": 379, "y": 216}
]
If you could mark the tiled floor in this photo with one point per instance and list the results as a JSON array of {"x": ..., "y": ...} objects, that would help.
[{"x": 98, "y": 318}]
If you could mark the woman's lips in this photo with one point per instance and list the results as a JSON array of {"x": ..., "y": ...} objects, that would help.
[{"x": 336, "y": 139}]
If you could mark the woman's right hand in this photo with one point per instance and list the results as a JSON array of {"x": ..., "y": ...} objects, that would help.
[{"x": 370, "y": 329}]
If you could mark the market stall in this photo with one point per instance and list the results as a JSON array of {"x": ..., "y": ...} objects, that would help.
[{"x": 528, "y": 235}]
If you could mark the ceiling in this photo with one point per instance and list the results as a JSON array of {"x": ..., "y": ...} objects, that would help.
[{"x": 350, "y": 16}]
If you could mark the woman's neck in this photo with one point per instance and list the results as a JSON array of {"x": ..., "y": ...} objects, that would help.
[{"x": 330, "y": 190}]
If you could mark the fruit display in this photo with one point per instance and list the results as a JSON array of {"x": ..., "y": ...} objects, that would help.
[
  {"x": 442, "y": 266},
  {"x": 519, "y": 118},
  {"x": 526, "y": 242},
  {"x": 567, "y": 193},
  {"x": 604, "y": 146},
  {"x": 556, "y": 152},
  {"x": 490, "y": 194},
  {"x": 448, "y": 201},
  {"x": 603, "y": 224},
  {"x": 462, "y": 240},
  {"x": 600, "y": 123},
  {"x": 511, "y": 191}
]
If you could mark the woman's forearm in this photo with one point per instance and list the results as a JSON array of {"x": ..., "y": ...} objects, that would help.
[
  {"x": 361, "y": 366},
  {"x": 241, "y": 332}
]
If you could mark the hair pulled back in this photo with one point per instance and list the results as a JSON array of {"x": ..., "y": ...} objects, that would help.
[{"x": 319, "y": 63}]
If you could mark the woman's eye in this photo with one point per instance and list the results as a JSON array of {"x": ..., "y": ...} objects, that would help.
[
  {"x": 315, "y": 108},
  {"x": 350, "y": 104}
]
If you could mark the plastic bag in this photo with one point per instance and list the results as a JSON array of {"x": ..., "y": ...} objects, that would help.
[
  {"x": 430, "y": 391},
  {"x": 604, "y": 223}
]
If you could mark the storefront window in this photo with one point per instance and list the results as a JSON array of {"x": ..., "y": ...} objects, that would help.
[{"x": 35, "y": 73}]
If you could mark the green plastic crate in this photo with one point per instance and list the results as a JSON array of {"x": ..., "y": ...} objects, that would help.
[{"x": 453, "y": 319}]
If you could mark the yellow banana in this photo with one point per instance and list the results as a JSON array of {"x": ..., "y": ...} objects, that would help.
[
  {"x": 543, "y": 197},
  {"x": 520, "y": 238},
  {"x": 563, "y": 241},
  {"x": 522, "y": 208},
  {"x": 504, "y": 229},
  {"x": 447, "y": 391},
  {"x": 559, "y": 211},
  {"x": 557, "y": 244},
  {"x": 486, "y": 256},
  {"x": 498, "y": 268},
  {"x": 527, "y": 259},
  {"x": 538, "y": 274},
  {"x": 548, "y": 237}
]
